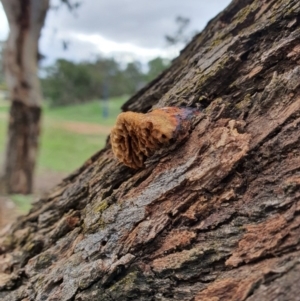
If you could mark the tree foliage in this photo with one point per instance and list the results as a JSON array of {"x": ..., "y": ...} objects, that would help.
[
  {"x": 181, "y": 36},
  {"x": 67, "y": 82}
]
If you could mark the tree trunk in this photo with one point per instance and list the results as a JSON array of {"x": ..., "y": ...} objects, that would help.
[
  {"x": 217, "y": 217},
  {"x": 26, "y": 19}
]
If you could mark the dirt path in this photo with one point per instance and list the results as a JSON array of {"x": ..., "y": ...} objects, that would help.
[
  {"x": 76, "y": 127},
  {"x": 84, "y": 127}
]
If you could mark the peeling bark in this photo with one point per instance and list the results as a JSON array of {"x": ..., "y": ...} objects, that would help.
[
  {"x": 26, "y": 19},
  {"x": 216, "y": 217}
]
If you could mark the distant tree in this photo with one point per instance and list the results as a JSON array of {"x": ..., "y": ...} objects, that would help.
[
  {"x": 68, "y": 82},
  {"x": 134, "y": 76},
  {"x": 106, "y": 74},
  {"x": 26, "y": 19},
  {"x": 20, "y": 56},
  {"x": 181, "y": 36},
  {"x": 156, "y": 66}
]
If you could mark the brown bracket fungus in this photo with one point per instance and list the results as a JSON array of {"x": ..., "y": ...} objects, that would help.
[{"x": 137, "y": 136}]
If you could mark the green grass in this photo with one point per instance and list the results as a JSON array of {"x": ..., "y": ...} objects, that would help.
[
  {"x": 65, "y": 151},
  {"x": 23, "y": 202},
  {"x": 60, "y": 149},
  {"x": 88, "y": 112},
  {"x": 4, "y": 106}
]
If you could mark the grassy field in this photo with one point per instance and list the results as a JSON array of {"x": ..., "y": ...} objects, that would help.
[
  {"x": 70, "y": 135},
  {"x": 91, "y": 112},
  {"x": 64, "y": 150}
]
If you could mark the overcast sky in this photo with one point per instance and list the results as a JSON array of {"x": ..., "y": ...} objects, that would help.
[{"x": 125, "y": 29}]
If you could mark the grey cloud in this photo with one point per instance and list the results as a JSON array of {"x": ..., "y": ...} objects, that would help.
[
  {"x": 140, "y": 22},
  {"x": 52, "y": 48}
]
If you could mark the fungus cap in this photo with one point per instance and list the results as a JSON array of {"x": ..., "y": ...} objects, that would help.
[{"x": 137, "y": 136}]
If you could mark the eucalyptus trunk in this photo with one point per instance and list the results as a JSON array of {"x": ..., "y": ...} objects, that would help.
[
  {"x": 215, "y": 218},
  {"x": 26, "y": 19}
]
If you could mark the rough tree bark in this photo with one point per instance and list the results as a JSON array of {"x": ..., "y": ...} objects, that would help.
[
  {"x": 26, "y": 19},
  {"x": 215, "y": 219}
]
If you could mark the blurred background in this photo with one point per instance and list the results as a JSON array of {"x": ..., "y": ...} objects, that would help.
[{"x": 93, "y": 55}]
